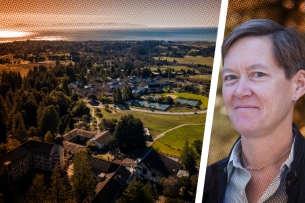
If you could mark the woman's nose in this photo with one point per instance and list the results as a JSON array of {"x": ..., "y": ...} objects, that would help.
[{"x": 242, "y": 88}]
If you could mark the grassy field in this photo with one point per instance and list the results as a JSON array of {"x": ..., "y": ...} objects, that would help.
[
  {"x": 190, "y": 60},
  {"x": 203, "y": 99},
  {"x": 182, "y": 109},
  {"x": 199, "y": 44},
  {"x": 173, "y": 141},
  {"x": 157, "y": 123},
  {"x": 22, "y": 68},
  {"x": 195, "y": 78},
  {"x": 176, "y": 68}
]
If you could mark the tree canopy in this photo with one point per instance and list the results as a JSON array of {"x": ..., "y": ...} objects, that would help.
[
  {"x": 129, "y": 133},
  {"x": 82, "y": 180}
]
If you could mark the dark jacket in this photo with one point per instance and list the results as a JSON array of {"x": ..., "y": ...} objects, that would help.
[{"x": 216, "y": 176}]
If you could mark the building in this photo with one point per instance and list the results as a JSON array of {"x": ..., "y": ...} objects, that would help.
[
  {"x": 27, "y": 157},
  {"x": 77, "y": 139},
  {"x": 100, "y": 139},
  {"x": 152, "y": 166},
  {"x": 109, "y": 190}
]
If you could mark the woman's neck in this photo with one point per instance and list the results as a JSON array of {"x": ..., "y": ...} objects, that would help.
[{"x": 259, "y": 151}]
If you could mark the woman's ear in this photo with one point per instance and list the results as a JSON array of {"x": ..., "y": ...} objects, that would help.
[{"x": 300, "y": 84}]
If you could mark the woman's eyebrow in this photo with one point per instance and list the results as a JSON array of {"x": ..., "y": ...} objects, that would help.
[
  {"x": 251, "y": 67},
  {"x": 256, "y": 65},
  {"x": 224, "y": 70}
]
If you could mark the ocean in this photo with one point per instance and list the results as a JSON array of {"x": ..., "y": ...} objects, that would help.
[{"x": 168, "y": 34}]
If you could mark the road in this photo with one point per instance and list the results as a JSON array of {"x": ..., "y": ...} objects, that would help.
[{"x": 149, "y": 111}]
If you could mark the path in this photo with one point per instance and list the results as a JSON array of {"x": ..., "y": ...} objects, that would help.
[
  {"x": 148, "y": 111},
  {"x": 162, "y": 134},
  {"x": 93, "y": 115}
]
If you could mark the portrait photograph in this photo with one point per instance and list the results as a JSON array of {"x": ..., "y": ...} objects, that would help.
[{"x": 256, "y": 146}]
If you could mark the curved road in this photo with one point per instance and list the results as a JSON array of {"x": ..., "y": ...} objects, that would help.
[{"x": 149, "y": 111}]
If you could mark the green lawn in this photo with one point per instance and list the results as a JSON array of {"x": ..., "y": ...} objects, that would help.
[
  {"x": 190, "y": 60},
  {"x": 157, "y": 123},
  {"x": 173, "y": 141},
  {"x": 204, "y": 100}
]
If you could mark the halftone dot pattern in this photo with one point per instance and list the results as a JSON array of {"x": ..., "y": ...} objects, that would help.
[
  {"x": 287, "y": 13},
  {"x": 172, "y": 13}
]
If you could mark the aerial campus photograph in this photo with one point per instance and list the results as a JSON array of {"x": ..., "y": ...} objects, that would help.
[{"x": 104, "y": 101}]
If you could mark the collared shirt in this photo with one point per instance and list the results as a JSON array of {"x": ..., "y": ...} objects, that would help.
[{"x": 238, "y": 178}]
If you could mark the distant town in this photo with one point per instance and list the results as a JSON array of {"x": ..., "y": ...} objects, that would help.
[{"x": 102, "y": 121}]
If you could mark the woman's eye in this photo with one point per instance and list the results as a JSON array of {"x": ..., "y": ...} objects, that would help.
[
  {"x": 259, "y": 74},
  {"x": 229, "y": 77}
]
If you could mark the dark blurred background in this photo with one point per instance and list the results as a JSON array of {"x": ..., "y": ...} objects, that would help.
[{"x": 289, "y": 13}]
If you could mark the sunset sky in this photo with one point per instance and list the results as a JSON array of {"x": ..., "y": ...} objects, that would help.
[{"x": 33, "y": 15}]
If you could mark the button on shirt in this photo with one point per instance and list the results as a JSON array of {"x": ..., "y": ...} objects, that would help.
[{"x": 238, "y": 178}]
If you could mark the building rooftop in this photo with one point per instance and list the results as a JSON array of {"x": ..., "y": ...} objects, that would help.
[
  {"x": 101, "y": 137},
  {"x": 160, "y": 164}
]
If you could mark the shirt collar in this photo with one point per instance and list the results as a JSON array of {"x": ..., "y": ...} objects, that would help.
[{"x": 235, "y": 162}]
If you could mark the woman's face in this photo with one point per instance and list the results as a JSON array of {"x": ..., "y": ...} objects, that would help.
[{"x": 256, "y": 93}]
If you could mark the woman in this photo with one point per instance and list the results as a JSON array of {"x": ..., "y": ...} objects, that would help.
[{"x": 263, "y": 77}]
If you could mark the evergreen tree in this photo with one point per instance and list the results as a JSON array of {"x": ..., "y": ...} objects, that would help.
[
  {"x": 126, "y": 93},
  {"x": 137, "y": 193},
  {"x": 150, "y": 192},
  {"x": 37, "y": 192},
  {"x": 48, "y": 120},
  {"x": 188, "y": 157},
  {"x": 18, "y": 127},
  {"x": 58, "y": 191},
  {"x": 3, "y": 119},
  {"x": 129, "y": 133},
  {"x": 82, "y": 180},
  {"x": 118, "y": 96}
]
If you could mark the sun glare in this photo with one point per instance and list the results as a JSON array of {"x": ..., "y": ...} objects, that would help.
[{"x": 13, "y": 34}]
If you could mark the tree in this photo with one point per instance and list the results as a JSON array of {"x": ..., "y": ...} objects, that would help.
[
  {"x": 58, "y": 191},
  {"x": 117, "y": 96},
  {"x": 198, "y": 146},
  {"x": 49, "y": 137},
  {"x": 37, "y": 192},
  {"x": 48, "y": 120},
  {"x": 136, "y": 192},
  {"x": 82, "y": 180},
  {"x": 150, "y": 191},
  {"x": 12, "y": 143},
  {"x": 3, "y": 117},
  {"x": 61, "y": 101},
  {"x": 80, "y": 108},
  {"x": 92, "y": 96},
  {"x": 32, "y": 132},
  {"x": 106, "y": 107},
  {"x": 188, "y": 157},
  {"x": 194, "y": 181},
  {"x": 107, "y": 124},
  {"x": 127, "y": 93},
  {"x": 129, "y": 133},
  {"x": 171, "y": 187},
  {"x": 18, "y": 127}
]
